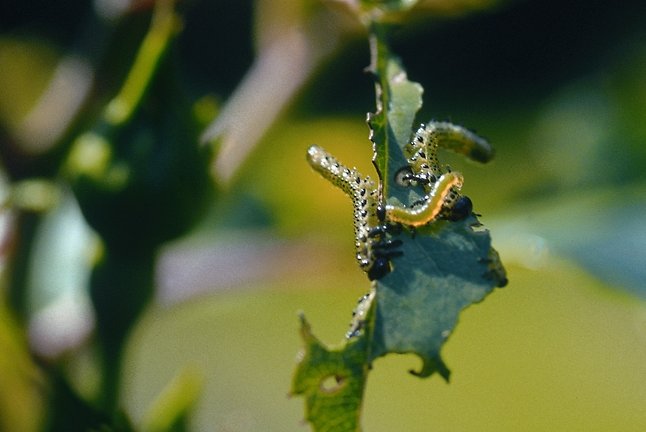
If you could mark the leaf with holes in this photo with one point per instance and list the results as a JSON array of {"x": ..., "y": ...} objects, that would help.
[
  {"x": 332, "y": 382},
  {"x": 444, "y": 266},
  {"x": 444, "y": 269}
]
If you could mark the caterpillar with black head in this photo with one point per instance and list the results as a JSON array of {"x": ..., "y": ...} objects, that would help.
[
  {"x": 441, "y": 185},
  {"x": 373, "y": 250},
  {"x": 422, "y": 149}
]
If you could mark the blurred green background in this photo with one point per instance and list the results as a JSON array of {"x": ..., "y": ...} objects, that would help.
[{"x": 559, "y": 88}]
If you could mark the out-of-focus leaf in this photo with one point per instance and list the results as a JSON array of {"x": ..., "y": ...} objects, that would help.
[
  {"x": 389, "y": 5},
  {"x": 20, "y": 380},
  {"x": 25, "y": 67},
  {"x": 141, "y": 161},
  {"x": 141, "y": 179},
  {"x": 64, "y": 400},
  {"x": 400, "y": 10},
  {"x": 171, "y": 409},
  {"x": 293, "y": 39},
  {"x": 601, "y": 229}
]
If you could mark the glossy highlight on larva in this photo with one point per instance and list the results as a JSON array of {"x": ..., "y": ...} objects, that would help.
[
  {"x": 441, "y": 185},
  {"x": 373, "y": 221},
  {"x": 373, "y": 250}
]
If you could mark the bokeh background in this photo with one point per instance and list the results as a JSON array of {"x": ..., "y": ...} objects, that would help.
[{"x": 559, "y": 88}]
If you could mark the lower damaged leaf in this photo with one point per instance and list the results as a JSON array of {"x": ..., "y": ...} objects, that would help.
[{"x": 332, "y": 382}]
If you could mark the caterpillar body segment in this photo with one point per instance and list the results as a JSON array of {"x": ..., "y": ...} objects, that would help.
[
  {"x": 443, "y": 194},
  {"x": 373, "y": 250},
  {"x": 456, "y": 138},
  {"x": 441, "y": 186}
]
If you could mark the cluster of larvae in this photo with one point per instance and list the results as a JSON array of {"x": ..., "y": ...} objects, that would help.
[{"x": 441, "y": 185}]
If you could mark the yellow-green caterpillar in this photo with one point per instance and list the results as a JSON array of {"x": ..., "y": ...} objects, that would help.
[
  {"x": 440, "y": 196},
  {"x": 373, "y": 250},
  {"x": 441, "y": 185},
  {"x": 422, "y": 149}
]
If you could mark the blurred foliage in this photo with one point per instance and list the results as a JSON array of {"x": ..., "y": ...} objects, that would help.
[
  {"x": 140, "y": 179},
  {"x": 20, "y": 380},
  {"x": 557, "y": 87}
]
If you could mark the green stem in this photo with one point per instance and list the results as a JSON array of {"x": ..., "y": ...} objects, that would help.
[
  {"x": 121, "y": 287},
  {"x": 122, "y": 284},
  {"x": 398, "y": 101},
  {"x": 165, "y": 24},
  {"x": 378, "y": 56},
  {"x": 26, "y": 226}
]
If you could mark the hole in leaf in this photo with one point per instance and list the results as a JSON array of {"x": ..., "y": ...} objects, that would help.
[{"x": 332, "y": 383}]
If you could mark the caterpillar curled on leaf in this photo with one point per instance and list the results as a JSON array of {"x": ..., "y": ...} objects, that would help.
[
  {"x": 441, "y": 186},
  {"x": 443, "y": 194},
  {"x": 452, "y": 137},
  {"x": 373, "y": 250}
]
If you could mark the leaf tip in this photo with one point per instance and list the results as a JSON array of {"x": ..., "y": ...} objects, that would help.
[{"x": 430, "y": 366}]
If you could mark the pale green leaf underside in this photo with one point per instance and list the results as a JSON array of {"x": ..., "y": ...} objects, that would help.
[
  {"x": 443, "y": 268},
  {"x": 442, "y": 271}
]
